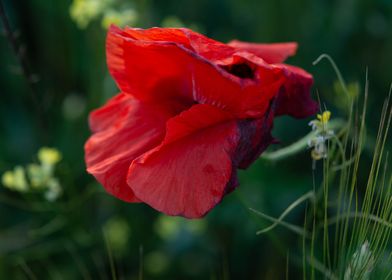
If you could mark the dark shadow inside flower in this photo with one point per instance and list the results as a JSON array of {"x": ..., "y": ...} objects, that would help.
[
  {"x": 255, "y": 137},
  {"x": 241, "y": 70}
]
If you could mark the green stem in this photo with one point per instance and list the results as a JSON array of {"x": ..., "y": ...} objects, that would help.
[{"x": 300, "y": 145}]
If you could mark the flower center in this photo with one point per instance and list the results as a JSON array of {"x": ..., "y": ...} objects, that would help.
[{"x": 241, "y": 70}]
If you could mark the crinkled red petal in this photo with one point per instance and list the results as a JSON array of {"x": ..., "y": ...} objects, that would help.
[
  {"x": 294, "y": 98},
  {"x": 152, "y": 70},
  {"x": 294, "y": 87},
  {"x": 271, "y": 53},
  {"x": 123, "y": 129},
  {"x": 188, "y": 173}
]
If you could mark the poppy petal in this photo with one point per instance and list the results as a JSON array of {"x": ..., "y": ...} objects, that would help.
[
  {"x": 271, "y": 53},
  {"x": 188, "y": 173},
  {"x": 123, "y": 129},
  {"x": 270, "y": 78},
  {"x": 155, "y": 34},
  {"x": 153, "y": 69},
  {"x": 255, "y": 138},
  {"x": 294, "y": 86},
  {"x": 295, "y": 96},
  {"x": 206, "y": 47},
  {"x": 104, "y": 117},
  {"x": 160, "y": 70}
]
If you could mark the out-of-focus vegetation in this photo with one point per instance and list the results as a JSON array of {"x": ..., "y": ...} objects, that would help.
[{"x": 87, "y": 234}]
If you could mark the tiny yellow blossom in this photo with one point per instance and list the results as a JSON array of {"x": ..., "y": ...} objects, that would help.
[
  {"x": 36, "y": 177},
  {"x": 322, "y": 134},
  {"x": 84, "y": 11},
  {"x": 8, "y": 179},
  {"x": 49, "y": 156},
  {"x": 15, "y": 180},
  {"x": 19, "y": 179},
  {"x": 324, "y": 117}
]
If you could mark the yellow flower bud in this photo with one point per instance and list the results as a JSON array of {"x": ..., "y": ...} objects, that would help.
[
  {"x": 20, "y": 182},
  {"x": 49, "y": 156},
  {"x": 324, "y": 117},
  {"x": 8, "y": 179}
]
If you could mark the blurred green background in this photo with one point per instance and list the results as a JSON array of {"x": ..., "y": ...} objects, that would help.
[{"x": 65, "y": 239}]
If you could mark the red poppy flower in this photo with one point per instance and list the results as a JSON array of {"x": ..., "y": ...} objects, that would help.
[{"x": 191, "y": 111}]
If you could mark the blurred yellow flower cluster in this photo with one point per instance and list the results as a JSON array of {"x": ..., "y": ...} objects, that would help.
[
  {"x": 85, "y": 11},
  {"x": 36, "y": 176},
  {"x": 119, "y": 18}
]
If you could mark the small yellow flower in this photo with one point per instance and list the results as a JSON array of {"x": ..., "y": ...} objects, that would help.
[
  {"x": 85, "y": 11},
  {"x": 49, "y": 156},
  {"x": 15, "y": 180},
  {"x": 322, "y": 134},
  {"x": 35, "y": 176},
  {"x": 324, "y": 117},
  {"x": 8, "y": 179},
  {"x": 20, "y": 182}
]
